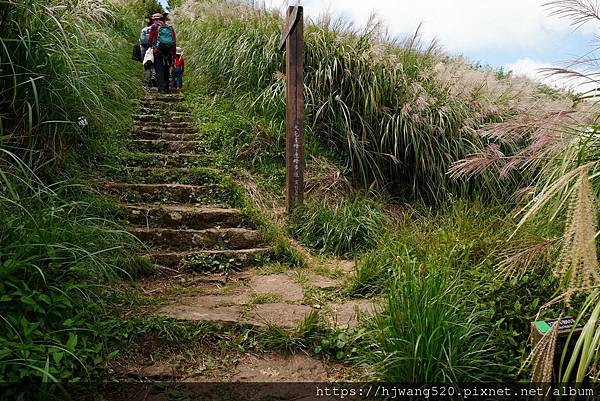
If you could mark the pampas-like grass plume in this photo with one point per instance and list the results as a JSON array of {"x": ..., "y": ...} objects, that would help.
[
  {"x": 542, "y": 356},
  {"x": 578, "y": 264}
]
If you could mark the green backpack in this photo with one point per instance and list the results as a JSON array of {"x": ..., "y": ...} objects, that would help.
[{"x": 165, "y": 41}]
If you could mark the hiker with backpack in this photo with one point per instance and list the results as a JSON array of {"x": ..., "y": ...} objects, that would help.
[
  {"x": 163, "y": 41},
  {"x": 144, "y": 45}
]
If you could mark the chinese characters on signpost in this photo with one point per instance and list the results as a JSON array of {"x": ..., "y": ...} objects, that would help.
[{"x": 292, "y": 38}]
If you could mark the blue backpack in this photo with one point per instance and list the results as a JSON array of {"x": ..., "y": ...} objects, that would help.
[
  {"x": 164, "y": 41},
  {"x": 145, "y": 37}
]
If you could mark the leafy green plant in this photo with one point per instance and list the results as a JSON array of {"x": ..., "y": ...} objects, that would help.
[
  {"x": 350, "y": 227},
  {"x": 338, "y": 343},
  {"x": 202, "y": 263}
]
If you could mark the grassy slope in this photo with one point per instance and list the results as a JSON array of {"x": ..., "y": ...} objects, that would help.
[
  {"x": 238, "y": 102},
  {"x": 60, "y": 244}
]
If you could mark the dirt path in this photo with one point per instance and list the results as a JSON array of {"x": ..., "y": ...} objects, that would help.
[{"x": 213, "y": 265}]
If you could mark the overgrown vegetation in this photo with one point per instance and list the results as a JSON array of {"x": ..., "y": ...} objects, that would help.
[
  {"x": 459, "y": 283},
  {"x": 65, "y": 98},
  {"x": 394, "y": 117},
  {"x": 397, "y": 114},
  {"x": 348, "y": 228},
  {"x": 431, "y": 331}
]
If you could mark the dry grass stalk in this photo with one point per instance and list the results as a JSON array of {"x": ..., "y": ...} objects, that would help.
[
  {"x": 325, "y": 181},
  {"x": 542, "y": 356},
  {"x": 518, "y": 261},
  {"x": 257, "y": 146},
  {"x": 578, "y": 263}
]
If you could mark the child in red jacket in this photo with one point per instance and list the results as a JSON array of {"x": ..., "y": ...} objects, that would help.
[{"x": 178, "y": 67}]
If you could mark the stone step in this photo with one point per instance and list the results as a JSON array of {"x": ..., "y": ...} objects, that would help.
[
  {"x": 213, "y": 238},
  {"x": 169, "y": 175},
  {"x": 179, "y": 160},
  {"x": 160, "y": 111},
  {"x": 163, "y": 146},
  {"x": 237, "y": 305},
  {"x": 168, "y": 99},
  {"x": 240, "y": 258},
  {"x": 166, "y": 193},
  {"x": 183, "y": 216},
  {"x": 163, "y": 124},
  {"x": 162, "y": 103},
  {"x": 151, "y": 117},
  {"x": 164, "y": 96},
  {"x": 167, "y": 136},
  {"x": 168, "y": 130}
]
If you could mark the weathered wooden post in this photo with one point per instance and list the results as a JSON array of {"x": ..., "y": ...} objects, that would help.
[{"x": 292, "y": 38}]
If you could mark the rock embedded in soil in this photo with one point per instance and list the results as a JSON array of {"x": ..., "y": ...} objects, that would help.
[
  {"x": 280, "y": 368},
  {"x": 322, "y": 282},
  {"x": 346, "y": 314},
  {"x": 278, "y": 314},
  {"x": 281, "y": 285}
]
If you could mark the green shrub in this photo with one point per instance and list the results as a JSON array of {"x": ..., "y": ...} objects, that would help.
[
  {"x": 348, "y": 228},
  {"x": 431, "y": 330}
]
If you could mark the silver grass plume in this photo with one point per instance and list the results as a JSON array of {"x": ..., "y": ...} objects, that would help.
[
  {"x": 578, "y": 262},
  {"x": 542, "y": 356}
]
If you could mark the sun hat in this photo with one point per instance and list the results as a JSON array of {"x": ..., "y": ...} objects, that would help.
[{"x": 179, "y": 51}]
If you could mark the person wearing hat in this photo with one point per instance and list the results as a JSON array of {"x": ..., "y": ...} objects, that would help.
[
  {"x": 163, "y": 41},
  {"x": 178, "y": 67}
]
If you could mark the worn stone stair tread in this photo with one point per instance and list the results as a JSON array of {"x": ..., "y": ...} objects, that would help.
[
  {"x": 161, "y": 124},
  {"x": 163, "y": 192},
  {"x": 161, "y": 112},
  {"x": 161, "y": 145},
  {"x": 230, "y": 310},
  {"x": 152, "y": 187},
  {"x": 178, "y": 216},
  {"x": 174, "y": 259},
  {"x": 172, "y": 130},
  {"x": 174, "y": 117},
  {"x": 163, "y": 141},
  {"x": 187, "y": 239},
  {"x": 179, "y": 170},
  {"x": 174, "y": 160},
  {"x": 162, "y": 99},
  {"x": 160, "y": 121},
  {"x": 158, "y": 135},
  {"x": 237, "y": 308}
]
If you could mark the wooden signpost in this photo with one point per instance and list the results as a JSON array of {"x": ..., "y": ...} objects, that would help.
[{"x": 292, "y": 38}]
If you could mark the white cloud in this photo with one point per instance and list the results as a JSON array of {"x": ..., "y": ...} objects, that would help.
[
  {"x": 535, "y": 70},
  {"x": 459, "y": 25}
]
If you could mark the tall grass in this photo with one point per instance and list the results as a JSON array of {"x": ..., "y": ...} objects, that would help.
[
  {"x": 559, "y": 144},
  {"x": 62, "y": 62},
  {"x": 397, "y": 112},
  {"x": 431, "y": 331},
  {"x": 57, "y": 248},
  {"x": 467, "y": 241},
  {"x": 347, "y": 228}
]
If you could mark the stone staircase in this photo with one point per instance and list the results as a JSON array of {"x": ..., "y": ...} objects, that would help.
[
  {"x": 213, "y": 264},
  {"x": 177, "y": 205},
  {"x": 178, "y": 221}
]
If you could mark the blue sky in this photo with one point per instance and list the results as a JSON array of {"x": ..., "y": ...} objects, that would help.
[{"x": 518, "y": 35}]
